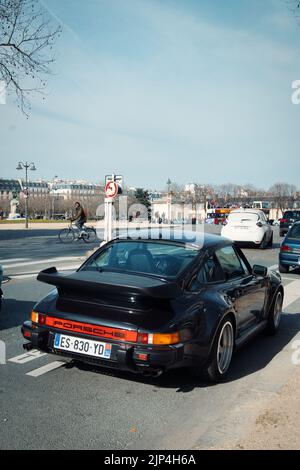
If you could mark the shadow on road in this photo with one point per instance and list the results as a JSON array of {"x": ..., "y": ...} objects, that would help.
[
  {"x": 14, "y": 313},
  {"x": 254, "y": 356}
]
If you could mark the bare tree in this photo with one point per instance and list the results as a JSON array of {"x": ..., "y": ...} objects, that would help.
[
  {"x": 27, "y": 36},
  {"x": 282, "y": 194}
]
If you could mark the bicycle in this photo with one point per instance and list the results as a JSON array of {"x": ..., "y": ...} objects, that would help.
[{"x": 72, "y": 233}]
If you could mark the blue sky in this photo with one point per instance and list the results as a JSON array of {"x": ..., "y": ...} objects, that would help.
[{"x": 187, "y": 89}]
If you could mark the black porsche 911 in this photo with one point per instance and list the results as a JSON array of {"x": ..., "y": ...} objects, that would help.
[{"x": 148, "y": 305}]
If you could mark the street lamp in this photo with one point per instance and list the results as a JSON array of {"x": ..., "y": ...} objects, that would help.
[
  {"x": 54, "y": 188},
  {"x": 26, "y": 166},
  {"x": 169, "y": 201}
]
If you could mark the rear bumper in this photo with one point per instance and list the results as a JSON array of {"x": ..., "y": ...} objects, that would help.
[
  {"x": 244, "y": 237},
  {"x": 289, "y": 259},
  {"x": 284, "y": 228},
  {"x": 124, "y": 356}
]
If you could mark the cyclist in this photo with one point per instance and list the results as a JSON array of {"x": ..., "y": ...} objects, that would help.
[{"x": 80, "y": 218}]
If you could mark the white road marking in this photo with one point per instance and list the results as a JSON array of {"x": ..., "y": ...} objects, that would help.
[
  {"x": 291, "y": 293},
  {"x": 275, "y": 266},
  {"x": 291, "y": 278},
  {"x": 26, "y": 357},
  {"x": 44, "y": 369},
  {"x": 41, "y": 261},
  {"x": 33, "y": 275},
  {"x": 13, "y": 260}
]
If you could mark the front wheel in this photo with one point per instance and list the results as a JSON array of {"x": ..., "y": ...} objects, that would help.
[
  {"x": 90, "y": 235},
  {"x": 66, "y": 235},
  {"x": 221, "y": 354}
]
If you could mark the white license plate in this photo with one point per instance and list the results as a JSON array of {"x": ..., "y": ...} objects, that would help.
[{"x": 82, "y": 346}]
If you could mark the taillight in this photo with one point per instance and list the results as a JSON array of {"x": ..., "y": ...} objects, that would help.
[
  {"x": 143, "y": 338},
  {"x": 285, "y": 248},
  {"x": 39, "y": 318},
  {"x": 283, "y": 221},
  {"x": 159, "y": 338}
]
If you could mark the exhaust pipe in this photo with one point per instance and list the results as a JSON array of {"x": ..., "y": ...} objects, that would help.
[{"x": 153, "y": 373}]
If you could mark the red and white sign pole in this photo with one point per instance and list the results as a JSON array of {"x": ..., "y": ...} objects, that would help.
[{"x": 111, "y": 191}]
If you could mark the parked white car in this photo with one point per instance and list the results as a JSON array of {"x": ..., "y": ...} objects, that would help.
[{"x": 248, "y": 226}]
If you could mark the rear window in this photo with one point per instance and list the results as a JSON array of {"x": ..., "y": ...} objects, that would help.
[
  {"x": 294, "y": 232},
  {"x": 291, "y": 215},
  {"x": 156, "y": 258},
  {"x": 243, "y": 216}
]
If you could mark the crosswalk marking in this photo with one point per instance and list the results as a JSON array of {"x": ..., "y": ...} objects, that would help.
[
  {"x": 291, "y": 293},
  {"x": 44, "y": 369},
  {"x": 27, "y": 357}
]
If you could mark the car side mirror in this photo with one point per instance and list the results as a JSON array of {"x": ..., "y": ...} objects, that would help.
[{"x": 259, "y": 270}]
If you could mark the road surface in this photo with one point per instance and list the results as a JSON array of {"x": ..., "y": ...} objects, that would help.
[{"x": 48, "y": 403}]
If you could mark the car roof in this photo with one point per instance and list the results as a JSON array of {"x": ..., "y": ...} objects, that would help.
[{"x": 199, "y": 238}]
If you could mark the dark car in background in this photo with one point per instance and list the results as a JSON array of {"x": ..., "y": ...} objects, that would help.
[
  {"x": 289, "y": 255},
  {"x": 287, "y": 220},
  {"x": 149, "y": 305}
]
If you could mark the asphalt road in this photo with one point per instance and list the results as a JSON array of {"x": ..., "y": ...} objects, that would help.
[{"x": 47, "y": 404}]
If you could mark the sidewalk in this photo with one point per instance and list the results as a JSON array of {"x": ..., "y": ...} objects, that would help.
[
  {"x": 278, "y": 426},
  {"x": 39, "y": 225}
]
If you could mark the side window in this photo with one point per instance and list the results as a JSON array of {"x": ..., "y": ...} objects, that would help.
[
  {"x": 210, "y": 271},
  {"x": 230, "y": 262},
  {"x": 103, "y": 259}
]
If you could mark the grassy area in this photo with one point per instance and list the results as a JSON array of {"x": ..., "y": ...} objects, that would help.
[{"x": 33, "y": 221}]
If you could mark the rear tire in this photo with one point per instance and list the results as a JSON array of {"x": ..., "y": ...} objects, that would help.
[
  {"x": 270, "y": 243},
  {"x": 275, "y": 314},
  {"x": 221, "y": 354},
  {"x": 281, "y": 234},
  {"x": 66, "y": 235},
  {"x": 283, "y": 269},
  {"x": 90, "y": 235},
  {"x": 263, "y": 244}
]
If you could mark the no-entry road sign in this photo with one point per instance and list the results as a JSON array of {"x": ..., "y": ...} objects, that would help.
[{"x": 111, "y": 189}]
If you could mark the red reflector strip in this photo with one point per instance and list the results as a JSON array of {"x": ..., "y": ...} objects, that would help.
[
  {"x": 27, "y": 334},
  {"x": 94, "y": 330},
  {"x": 142, "y": 357}
]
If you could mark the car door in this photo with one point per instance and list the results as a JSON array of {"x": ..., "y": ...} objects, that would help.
[{"x": 247, "y": 292}]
